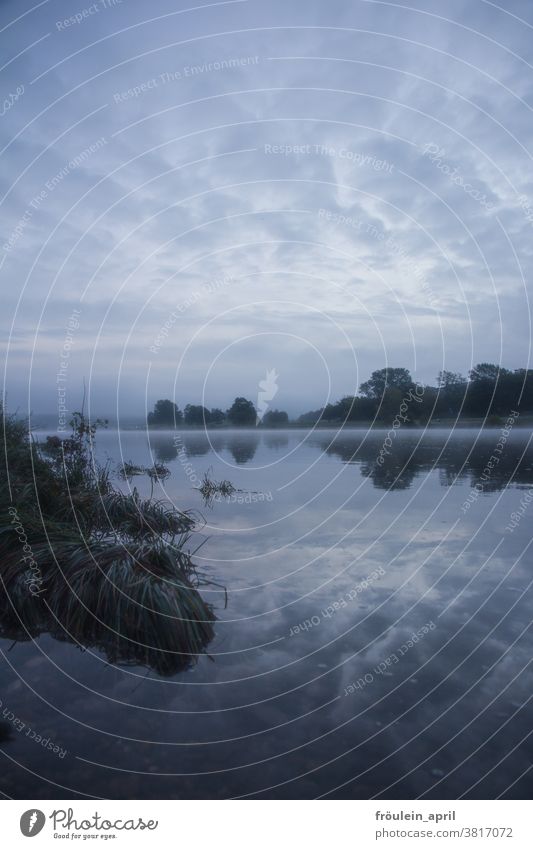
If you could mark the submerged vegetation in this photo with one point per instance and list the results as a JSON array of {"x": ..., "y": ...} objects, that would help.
[{"x": 90, "y": 564}]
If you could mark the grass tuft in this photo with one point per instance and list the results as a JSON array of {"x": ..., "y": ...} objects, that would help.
[{"x": 90, "y": 564}]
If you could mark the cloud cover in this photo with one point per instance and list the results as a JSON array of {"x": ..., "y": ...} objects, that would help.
[{"x": 320, "y": 189}]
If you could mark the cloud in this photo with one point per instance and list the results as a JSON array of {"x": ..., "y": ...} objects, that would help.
[{"x": 335, "y": 158}]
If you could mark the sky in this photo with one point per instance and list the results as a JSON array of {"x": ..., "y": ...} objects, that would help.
[{"x": 197, "y": 198}]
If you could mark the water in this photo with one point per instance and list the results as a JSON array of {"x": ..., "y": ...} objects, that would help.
[{"x": 331, "y": 563}]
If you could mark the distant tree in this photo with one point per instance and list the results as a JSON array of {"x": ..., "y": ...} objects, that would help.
[
  {"x": 495, "y": 391},
  {"x": 450, "y": 378},
  {"x": 332, "y": 412},
  {"x": 517, "y": 390},
  {"x": 452, "y": 388},
  {"x": 482, "y": 395},
  {"x": 166, "y": 413},
  {"x": 195, "y": 414},
  {"x": 362, "y": 409},
  {"x": 422, "y": 412},
  {"x": 216, "y": 416},
  {"x": 384, "y": 378},
  {"x": 242, "y": 412},
  {"x": 310, "y": 418},
  {"x": 487, "y": 371},
  {"x": 390, "y": 404},
  {"x": 343, "y": 410},
  {"x": 275, "y": 418},
  {"x": 350, "y": 408},
  {"x": 353, "y": 408}
]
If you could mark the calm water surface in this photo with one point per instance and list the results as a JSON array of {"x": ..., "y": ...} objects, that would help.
[{"x": 331, "y": 562}]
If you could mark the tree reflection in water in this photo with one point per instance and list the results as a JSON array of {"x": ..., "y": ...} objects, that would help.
[{"x": 463, "y": 457}]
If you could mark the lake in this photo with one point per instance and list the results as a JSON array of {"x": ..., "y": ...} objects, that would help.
[{"x": 373, "y": 635}]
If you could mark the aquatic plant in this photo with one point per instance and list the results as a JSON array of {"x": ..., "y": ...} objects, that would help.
[
  {"x": 157, "y": 472},
  {"x": 210, "y": 487},
  {"x": 129, "y": 470},
  {"x": 91, "y": 564}
]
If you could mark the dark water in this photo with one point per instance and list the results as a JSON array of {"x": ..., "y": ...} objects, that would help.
[{"x": 344, "y": 706}]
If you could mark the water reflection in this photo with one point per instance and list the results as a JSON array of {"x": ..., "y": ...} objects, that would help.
[
  {"x": 466, "y": 456},
  {"x": 243, "y": 447},
  {"x": 195, "y": 444},
  {"x": 276, "y": 441},
  {"x": 28, "y": 621},
  {"x": 463, "y": 455},
  {"x": 259, "y": 692},
  {"x": 6, "y": 732},
  {"x": 164, "y": 448}
]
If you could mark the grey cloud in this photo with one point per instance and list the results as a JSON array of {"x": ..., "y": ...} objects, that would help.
[{"x": 147, "y": 222}]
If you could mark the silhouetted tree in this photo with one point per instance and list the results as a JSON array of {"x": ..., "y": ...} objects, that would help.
[
  {"x": 275, "y": 418},
  {"x": 446, "y": 379},
  {"x": 452, "y": 388},
  {"x": 216, "y": 416},
  {"x": 496, "y": 391},
  {"x": 360, "y": 409},
  {"x": 195, "y": 414},
  {"x": 242, "y": 412},
  {"x": 332, "y": 412},
  {"x": 391, "y": 401},
  {"x": 309, "y": 419},
  {"x": 428, "y": 407},
  {"x": 383, "y": 378},
  {"x": 490, "y": 390},
  {"x": 165, "y": 413},
  {"x": 487, "y": 371}
]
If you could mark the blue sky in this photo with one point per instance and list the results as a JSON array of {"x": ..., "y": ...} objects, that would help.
[{"x": 194, "y": 195}]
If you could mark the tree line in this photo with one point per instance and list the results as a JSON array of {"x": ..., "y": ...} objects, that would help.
[
  {"x": 242, "y": 413},
  {"x": 489, "y": 391}
]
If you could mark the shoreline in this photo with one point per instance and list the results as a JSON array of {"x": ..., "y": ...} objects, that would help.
[{"x": 525, "y": 422}]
